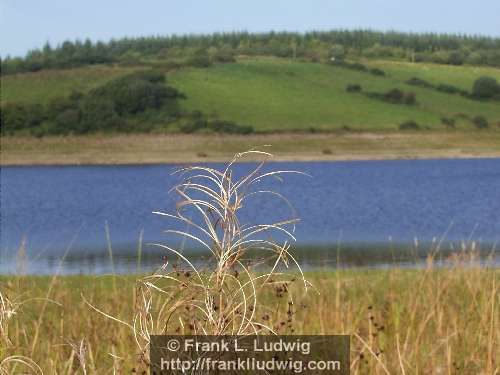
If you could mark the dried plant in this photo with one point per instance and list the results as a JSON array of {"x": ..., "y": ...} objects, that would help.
[
  {"x": 9, "y": 364},
  {"x": 238, "y": 290},
  {"x": 7, "y": 311}
]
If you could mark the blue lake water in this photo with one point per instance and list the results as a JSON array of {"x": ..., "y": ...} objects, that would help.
[{"x": 371, "y": 204}]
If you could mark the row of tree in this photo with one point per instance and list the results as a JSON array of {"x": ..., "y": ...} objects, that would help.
[{"x": 337, "y": 44}]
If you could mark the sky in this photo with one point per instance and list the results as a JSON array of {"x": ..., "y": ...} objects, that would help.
[{"x": 28, "y": 24}]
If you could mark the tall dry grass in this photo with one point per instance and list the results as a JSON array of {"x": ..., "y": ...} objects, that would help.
[
  {"x": 225, "y": 296},
  {"x": 408, "y": 321}
]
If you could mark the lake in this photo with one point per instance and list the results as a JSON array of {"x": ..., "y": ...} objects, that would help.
[{"x": 368, "y": 210}]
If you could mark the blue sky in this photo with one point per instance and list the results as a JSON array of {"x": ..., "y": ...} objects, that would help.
[{"x": 26, "y": 24}]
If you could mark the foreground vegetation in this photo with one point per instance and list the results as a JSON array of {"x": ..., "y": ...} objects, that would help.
[{"x": 448, "y": 323}]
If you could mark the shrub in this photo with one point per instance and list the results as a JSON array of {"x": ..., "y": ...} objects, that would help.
[
  {"x": 353, "y": 87},
  {"x": 480, "y": 122},
  {"x": 199, "y": 59},
  {"x": 450, "y": 89},
  {"x": 66, "y": 122},
  {"x": 449, "y": 122},
  {"x": 440, "y": 57},
  {"x": 485, "y": 88},
  {"x": 193, "y": 126},
  {"x": 17, "y": 116},
  {"x": 409, "y": 125},
  {"x": 358, "y": 66},
  {"x": 377, "y": 72},
  {"x": 337, "y": 52},
  {"x": 419, "y": 82},
  {"x": 462, "y": 115},
  {"x": 136, "y": 92},
  {"x": 222, "y": 126},
  {"x": 394, "y": 96},
  {"x": 224, "y": 55},
  {"x": 409, "y": 98},
  {"x": 218, "y": 126},
  {"x": 98, "y": 113},
  {"x": 456, "y": 58}
]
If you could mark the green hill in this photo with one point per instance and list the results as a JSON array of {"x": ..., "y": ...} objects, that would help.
[
  {"x": 276, "y": 94},
  {"x": 273, "y": 94}
]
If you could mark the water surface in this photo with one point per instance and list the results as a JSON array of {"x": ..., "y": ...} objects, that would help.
[{"x": 357, "y": 204}]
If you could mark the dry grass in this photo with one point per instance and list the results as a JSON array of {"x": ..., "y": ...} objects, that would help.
[
  {"x": 177, "y": 148},
  {"x": 224, "y": 296},
  {"x": 431, "y": 321}
]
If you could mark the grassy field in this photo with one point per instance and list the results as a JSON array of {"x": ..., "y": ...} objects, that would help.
[
  {"x": 274, "y": 94},
  {"x": 41, "y": 87},
  {"x": 177, "y": 148},
  {"x": 448, "y": 324},
  {"x": 460, "y": 76}
]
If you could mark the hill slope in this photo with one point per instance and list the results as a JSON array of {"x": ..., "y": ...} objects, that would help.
[{"x": 274, "y": 94}]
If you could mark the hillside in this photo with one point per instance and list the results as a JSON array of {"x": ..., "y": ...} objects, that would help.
[{"x": 275, "y": 94}]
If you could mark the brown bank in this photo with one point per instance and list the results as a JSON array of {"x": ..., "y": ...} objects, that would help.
[{"x": 170, "y": 148}]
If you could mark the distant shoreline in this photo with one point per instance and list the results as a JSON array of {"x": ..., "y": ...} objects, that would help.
[{"x": 181, "y": 148}]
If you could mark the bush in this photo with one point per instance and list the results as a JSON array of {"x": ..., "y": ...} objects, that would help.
[
  {"x": 199, "y": 59},
  {"x": 17, "y": 116},
  {"x": 358, "y": 66},
  {"x": 218, "y": 126},
  {"x": 399, "y": 97},
  {"x": 66, "y": 122},
  {"x": 456, "y": 58},
  {"x": 193, "y": 126},
  {"x": 480, "y": 122},
  {"x": 419, "y": 82},
  {"x": 394, "y": 96},
  {"x": 58, "y": 105},
  {"x": 377, "y": 72},
  {"x": 409, "y": 98},
  {"x": 485, "y": 88},
  {"x": 221, "y": 126},
  {"x": 136, "y": 92},
  {"x": 450, "y": 89},
  {"x": 449, "y": 122},
  {"x": 224, "y": 55},
  {"x": 353, "y": 87},
  {"x": 98, "y": 113},
  {"x": 409, "y": 125}
]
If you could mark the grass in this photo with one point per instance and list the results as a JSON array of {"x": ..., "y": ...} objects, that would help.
[
  {"x": 460, "y": 76},
  {"x": 275, "y": 94},
  {"x": 41, "y": 87},
  {"x": 127, "y": 149},
  {"x": 449, "y": 323}
]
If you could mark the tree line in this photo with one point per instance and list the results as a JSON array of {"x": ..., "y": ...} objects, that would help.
[{"x": 314, "y": 46}]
